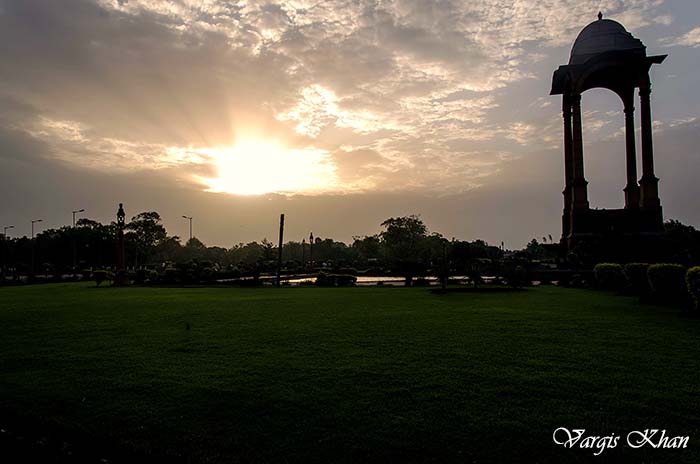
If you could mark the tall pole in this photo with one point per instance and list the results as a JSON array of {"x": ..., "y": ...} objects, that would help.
[
  {"x": 189, "y": 218},
  {"x": 279, "y": 251},
  {"x": 311, "y": 251},
  {"x": 34, "y": 221},
  {"x": 120, "y": 277},
  {"x": 4, "y": 251},
  {"x": 446, "y": 268},
  {"x": 303, "y": 253},
  {"x": 75, "y": 240},
  {"x": 82, "y": 210}
]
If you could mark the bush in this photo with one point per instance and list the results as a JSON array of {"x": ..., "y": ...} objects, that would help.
[
  {"x": 692, "y": 281},
  {"x": 667, "y": 280},
  {"x": 609, "y": 276},
  {"x": 517, "y": 276},
  {"x": 335, "y": 280},
  {"x": 323, "y": 280},
  {"x": 344, "y": 280},
  {"x": 208, "y": 274},
  {"x": 421, "y": 282},
  {"x": 170, "y": 275},
  {"x": 86, "y": 274},
  {"x": 100, "y": 276},
  {"x": 140, "y": 276},
  {"x": 637, "y": 280}
]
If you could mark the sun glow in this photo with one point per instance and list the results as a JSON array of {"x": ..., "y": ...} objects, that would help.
[{"x": 256, "y": 167}]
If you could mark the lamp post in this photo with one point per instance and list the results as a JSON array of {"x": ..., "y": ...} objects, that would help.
[
  {"x": 189, "y": 218},
  {"x": 34, "y": 221},
  {"x": 75, "y": 240},
  {"x": 4, "y": 250},
  {"x": 311, "y": 251},
  {"x": 75, "y": 212},
  {"x": 279, "y": 251}
]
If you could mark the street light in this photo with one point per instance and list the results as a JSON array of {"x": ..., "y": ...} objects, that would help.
[
  {"x": 189, "y": 218},
  {"x": 75, "y": 212},
  {"x": 34, "y": 221},
  {"x": 4, "y": 250},
  {"x": 75, "y": 240}
]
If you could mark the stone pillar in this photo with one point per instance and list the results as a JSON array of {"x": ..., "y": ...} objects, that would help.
[
  {"x": 579, "y": 184},
  {"x": 632, "y": 188},
  {"x": 568, "y": 165},
  {"x": 649, "y": 183}
]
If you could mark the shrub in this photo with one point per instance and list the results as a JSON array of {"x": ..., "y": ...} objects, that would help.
[
  {"x": 140, "y": 276},
  {"x": 636, "y": 275},
  {"x": 86, "y": 274},
  {"x": 335, "y": 280},
  {"x": 692, "y": 281},
  {"x": 208, "y": 274},
  {"x": 323, "y": 280},
  {"x": 100, "y": 276},
  {"x": 421, "y": 282},
  {"x": 609, "y": 276},
  {"x": 170, "y": 275},
  {"x": 517, "y": 276},
  {"x": 667, "y": 280},
  {"x": 343, "y": 280}
]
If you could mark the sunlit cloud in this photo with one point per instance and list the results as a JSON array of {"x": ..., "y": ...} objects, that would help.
[
  {"x": 359, "y": 96},
  {"x": 254, "y": 167},
  {"x": 318, "y": 108},
  {"x": 689, "y": 39}
]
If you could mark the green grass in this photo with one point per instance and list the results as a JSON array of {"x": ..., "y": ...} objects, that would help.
[{"x": 363, "y": 374}]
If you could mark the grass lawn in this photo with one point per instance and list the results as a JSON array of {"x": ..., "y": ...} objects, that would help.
[{"x": 348, "y": 375}]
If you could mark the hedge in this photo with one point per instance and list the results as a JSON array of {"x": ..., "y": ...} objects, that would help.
[
  {"x": 101, "y": 275},
  {"x": 609, "y": 276},
  {"x": 667, "y": 280},
  {"x": 335, "y": 280},
  {"x": 637, "y": 279},
  {"x": 692, "y": 281}
]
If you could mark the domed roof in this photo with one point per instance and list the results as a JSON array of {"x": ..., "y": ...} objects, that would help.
[{"x": 604, "y": 35}]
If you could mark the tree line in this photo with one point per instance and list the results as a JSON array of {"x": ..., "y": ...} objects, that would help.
[{"x": 404, "y": 245}]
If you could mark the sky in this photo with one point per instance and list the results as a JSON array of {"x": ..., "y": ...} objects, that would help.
[{"x": 338, "y": 113}]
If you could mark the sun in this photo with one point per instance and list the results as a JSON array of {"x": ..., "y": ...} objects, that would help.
[{"x": 256, "y": 167}]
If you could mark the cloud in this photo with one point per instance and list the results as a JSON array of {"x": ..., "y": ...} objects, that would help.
[
  {"x": 444, "y": 99},
  {"x": 689, "y": 39},
  {"x": 130, "y": 85}
]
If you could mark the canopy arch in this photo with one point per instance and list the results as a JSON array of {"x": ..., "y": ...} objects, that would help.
[{"x": 605, "y": 55}]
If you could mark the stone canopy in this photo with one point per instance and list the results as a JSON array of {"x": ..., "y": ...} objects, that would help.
[{"x": 606, "y": 55}]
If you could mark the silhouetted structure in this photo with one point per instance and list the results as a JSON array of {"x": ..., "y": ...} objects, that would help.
[
  {"x": 605, "y": 55},
  {"x": 311, "y": 251},
  {"x": 279, "y": 251},
  {"x": 32, "y": 270},
  {"x": 120, "y": 277}
]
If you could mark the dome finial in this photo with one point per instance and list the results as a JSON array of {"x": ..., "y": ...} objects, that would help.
[{"x": 600, "y": 15}]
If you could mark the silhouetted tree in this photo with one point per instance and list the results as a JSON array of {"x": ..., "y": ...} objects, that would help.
[
  {"x": 403, "y": 241},
  {"x": 144, "y": 233},
  {"x": 684, "y": 243}
]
